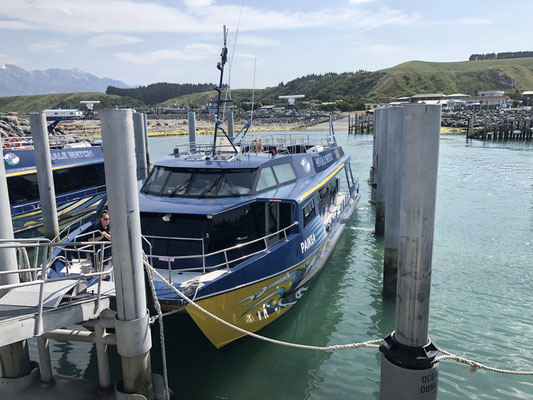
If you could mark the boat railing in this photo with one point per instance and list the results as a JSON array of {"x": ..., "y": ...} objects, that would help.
[
  {"x": 55, "y": 141},
  {"x": 86, "y": 192},
  {"x": 38, "y": 271},
  {"x": 173, "y": 260}
]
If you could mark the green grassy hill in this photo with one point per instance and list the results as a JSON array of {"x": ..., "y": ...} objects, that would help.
[
  {"x": 26, "y": 104},
  {"x": 510, "y": 75}
]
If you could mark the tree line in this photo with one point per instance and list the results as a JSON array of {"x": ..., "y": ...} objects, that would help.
[
  {"x": 159, "y": 92},
  {"x": 501, "y": 56}
]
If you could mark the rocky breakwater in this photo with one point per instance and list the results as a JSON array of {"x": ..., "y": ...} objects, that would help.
[
  {"x": 14, "y": 127},
  {"x": 459, "y": 119}
]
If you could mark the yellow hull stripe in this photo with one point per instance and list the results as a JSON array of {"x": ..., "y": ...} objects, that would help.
[
  {"x": 34, "y": 171},
  {"x": 309, "y": 192},
  {"x": 244, "y": 307}
]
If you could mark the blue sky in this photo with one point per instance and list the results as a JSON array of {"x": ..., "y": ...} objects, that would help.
[{"x": 142, "y": 42}]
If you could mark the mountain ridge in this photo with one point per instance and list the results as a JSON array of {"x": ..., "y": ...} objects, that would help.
[{"x": 16, "y": 81}]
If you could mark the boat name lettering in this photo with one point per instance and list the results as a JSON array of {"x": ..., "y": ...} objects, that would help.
[
  {"x": 71, "y": 154},
  {"x": 323, "y": 160},
  {"x": 307, "y": 243}
]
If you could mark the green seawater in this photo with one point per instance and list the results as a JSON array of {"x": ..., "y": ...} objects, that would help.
[{"x": 481, "y": 296}]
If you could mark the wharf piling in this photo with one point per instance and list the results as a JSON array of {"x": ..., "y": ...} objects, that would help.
[
  {"x": 14, "y": 357},
  {"x": 132, "y": 320},
  {"x": 230, "y": 125},
  {"x": 392, "y": 200},
  {"x": 192, "y": 130},
  {"x": 382, "y": 131},
  {"x": 45, "y": 178},
  {"x": 507, "y": 130},
  {"x": 141, "y": 139},
  {"x": 408, "y": 367},
  {"x": 360, "y": 123}
]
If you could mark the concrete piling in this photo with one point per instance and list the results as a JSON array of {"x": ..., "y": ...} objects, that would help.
[
  {"x": 45, "y": 177},
  {"x": 140, "y": 145},
  {"x": 14, "y": 358},
  {"x": 408, "y": 367},
  {"x": 382, "y": 131},
  {"x": 192, "y": 131},
  {"x": 392, "y": 200},
  {"x": 132, "y": 321},
  {"x": 231, "y": 129}
]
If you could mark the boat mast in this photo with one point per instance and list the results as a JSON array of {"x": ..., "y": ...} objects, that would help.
[{"x": 218, "y": 121}]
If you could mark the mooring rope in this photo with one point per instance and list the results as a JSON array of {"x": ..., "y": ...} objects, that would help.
[
  {"x": 474, "y": 365},
  {"x": 370, "y": 343},
  {"x": 161, "y": 330}
]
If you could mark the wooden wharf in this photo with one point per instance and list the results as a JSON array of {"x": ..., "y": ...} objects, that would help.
[
  {"x": 360, "y": 123},
  {"x": 508, "y": 130}
]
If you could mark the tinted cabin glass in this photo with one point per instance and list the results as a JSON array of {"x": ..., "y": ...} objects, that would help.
[
  {"x": 266, "y": 179},
  {"x": 204, "y": 184},
  {"x": 24, "y": 187},
  {"x": 171, "y": 182},
  {"x": 240, "y": 181},
  {"x": 284, "y": 172},
  {"x": 309, "y": 212},
  {"x": 238, "y": 226}
]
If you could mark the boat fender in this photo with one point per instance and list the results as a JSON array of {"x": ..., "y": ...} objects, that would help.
[{"x": 133, "y": 337}]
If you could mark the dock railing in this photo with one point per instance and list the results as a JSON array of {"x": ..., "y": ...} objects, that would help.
[{"x": 45, "y": 255}]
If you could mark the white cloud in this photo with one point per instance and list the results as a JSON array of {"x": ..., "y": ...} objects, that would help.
[
  {"x": 49, "y": 47},
  {"x": 197, "y": 3},
  {"x": 15, "y": 25},
  {"x": 108, "y": 40},
  {"x": 361, "y": 1},
  {"x": 255, "y": 40},
  {"x": 191, "y": 52},
  {"x": 101, "y": 16}
]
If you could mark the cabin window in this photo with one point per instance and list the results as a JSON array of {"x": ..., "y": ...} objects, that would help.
[
  {"x": 284, "y": 172},
  {"x": 204, "y": 184},
  {"x": 174, "y": 234},
  {"x": 24, "y": 188},
  {"x": 238, "y": 226},
  {"x": 266, "y": 179},
  {"x": 165, "y": 181},
  {"x": 309, "y": 212},
  {"x": 236, "y": 183}
]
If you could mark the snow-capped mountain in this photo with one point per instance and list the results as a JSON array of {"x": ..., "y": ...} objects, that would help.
[{"x": 16, "y": 81}]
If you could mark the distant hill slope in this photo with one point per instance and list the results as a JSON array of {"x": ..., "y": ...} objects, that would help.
[
  {"x": 16, "y": 81},
  {"x": 26, "y": 104},
  {"x": 510, "y": 75}
]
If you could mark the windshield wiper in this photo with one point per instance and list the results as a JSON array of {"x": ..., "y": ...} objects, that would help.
[
  {"x": 210, "y": 186},
  {"x": 184, "y": 184}
]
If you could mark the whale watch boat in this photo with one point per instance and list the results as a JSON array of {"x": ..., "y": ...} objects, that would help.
[
  {"x": 242, "y": 226},
  {"x": 78, "y": 173}
]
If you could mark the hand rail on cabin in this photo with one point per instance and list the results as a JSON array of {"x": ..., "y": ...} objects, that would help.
[{"x": 170, "y": 258}]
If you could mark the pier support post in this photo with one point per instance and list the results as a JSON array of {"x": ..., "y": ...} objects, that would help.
[
  {"x": 408, "y": 367},
  {"x": 381, "y": 188},
  {"x": 231, "y": 129},
  {"x": 14, "y": 358},
  {"x": 140, "y": 145},
  {"x": 392, "y": 200},
  {"x": 131, "y": 325},
  {"x": 45, "y": 178},
  {"x": 45, "y": 362},
  {"x": 192, "y": 131},
  {"x": 372, "y": 178}
]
